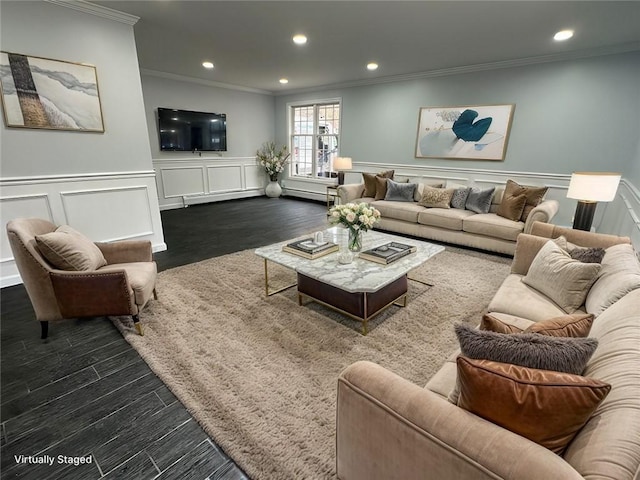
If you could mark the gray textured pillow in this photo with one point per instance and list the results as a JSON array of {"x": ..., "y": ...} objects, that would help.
[
  {"x": 587, "y": 255},
  {"x": 400, "y": 192},
  {"x": 459, "y": 198},
  {"x": 564, "y": 280},
  {"x": 479, "y": 200},
  {"x": 532, "y": 350}
]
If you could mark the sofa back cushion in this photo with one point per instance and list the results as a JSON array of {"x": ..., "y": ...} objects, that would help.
[{"x": 609, "y": 444}]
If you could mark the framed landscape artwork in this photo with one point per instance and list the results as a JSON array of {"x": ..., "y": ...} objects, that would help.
[
  {"x": 51, "y": 94},
  {"x": 471, "y": 132}
]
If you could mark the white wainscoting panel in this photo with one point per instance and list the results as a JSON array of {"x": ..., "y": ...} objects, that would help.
[
  {"x": 190, "y": 180},
  {"x": 105, "y": 207},
  {"x": 224, "y": 178}
]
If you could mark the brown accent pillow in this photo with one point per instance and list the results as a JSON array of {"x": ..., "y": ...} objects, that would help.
[
  {"x": 68, "y": 249},
  {"x": 370, "y": 182},
  {"x": 381, "y": 188},
  {"x": 576, "y": 325},
  {"x": 491, "y": 323},
  {"x": 546, "y": 407},
  {"x": 512, "y": 207},
  {"x": 534, "y": 196}
]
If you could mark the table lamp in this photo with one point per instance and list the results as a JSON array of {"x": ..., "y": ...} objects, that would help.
[
  {"x": 340, "y": 164},
  {"x": 589, "y": 188}
]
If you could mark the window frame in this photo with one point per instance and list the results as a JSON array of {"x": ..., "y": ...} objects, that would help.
[{"x": 315, "y": 103}]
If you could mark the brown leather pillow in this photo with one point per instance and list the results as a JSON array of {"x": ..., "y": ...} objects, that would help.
[
  {"x": 493, "y": 324},
  {"x": 512, "y": 207},
  {"x": 370, "y": 182},
  {"x": 546, "y": 407},
  {"x": 575, "y": 325},
  {"x": 534, "y": 196}
]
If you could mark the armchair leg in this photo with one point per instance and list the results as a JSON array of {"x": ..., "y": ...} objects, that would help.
[
  {"x": 138, "y": 325},
  {"x": 44, "y": 329}
]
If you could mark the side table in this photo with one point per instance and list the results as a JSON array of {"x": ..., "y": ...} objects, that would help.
[{"x": 332, "y": 194}]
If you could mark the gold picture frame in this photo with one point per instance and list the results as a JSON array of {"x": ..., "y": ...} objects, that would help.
[
  {"x": 469, "y": 132},
  {"x": 43, "y": 93}
]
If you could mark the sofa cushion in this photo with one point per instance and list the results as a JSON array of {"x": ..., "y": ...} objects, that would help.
[
  {"x": 370, "y": 184},
  {"x": 449, "y": 218},
  {"x": 619, "y": 275},
  {"x": 546, "y": 407},
  {"x": 436, "y": 197},
  {"x": 398, "y": 210},
  {"x": 560, "y": 354},
  {"x": 479, "y": 199},
  {"x": 68, "y": 249},
  {"x": 491, "y": 225},
  {"x": 534, "y": 196},
  {"x": 459, "y": 197},
  {"x": 141, "y": 276},
  {"x": 400, "y": 192},
  {"x": 575, "y": 325},
  {"x": 512, "y": 207},
  {"x": 564, "y": 280}
]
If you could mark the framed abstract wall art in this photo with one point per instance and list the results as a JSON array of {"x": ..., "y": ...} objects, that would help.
[
  {"x": 51, "y": 94},
  {"x": 470, "y": 132}
]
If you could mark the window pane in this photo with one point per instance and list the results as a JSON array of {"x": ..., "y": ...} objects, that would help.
[{"x": 302, "y": 155}]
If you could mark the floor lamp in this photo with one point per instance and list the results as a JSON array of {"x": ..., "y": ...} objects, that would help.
[
  {"x": 340, "y": 164},
  {"x": 589, "y": 188}
]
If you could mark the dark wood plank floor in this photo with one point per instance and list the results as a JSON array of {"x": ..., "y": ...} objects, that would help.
[{"x": 85, "y": 393}]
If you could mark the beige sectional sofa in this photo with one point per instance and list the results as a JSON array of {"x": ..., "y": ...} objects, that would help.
[
  {"x": 486, "y": 231},
  {"x": 389, "y": 428}
]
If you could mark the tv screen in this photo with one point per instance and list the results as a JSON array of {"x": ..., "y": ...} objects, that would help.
[{"x": 186, "y": 131}]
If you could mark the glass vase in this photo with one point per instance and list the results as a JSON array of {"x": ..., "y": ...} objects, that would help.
[{"x": 354, "y": 243}]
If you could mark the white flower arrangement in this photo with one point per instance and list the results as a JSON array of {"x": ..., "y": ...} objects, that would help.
[
  {"x": 272, "y": 159},
  {"x": 354, "y": 216}
]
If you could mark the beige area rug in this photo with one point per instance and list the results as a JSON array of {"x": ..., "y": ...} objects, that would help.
[{"x": 260, "y": 374}]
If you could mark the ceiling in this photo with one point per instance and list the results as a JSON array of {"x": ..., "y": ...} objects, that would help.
[{"x": 250, "y": 43}]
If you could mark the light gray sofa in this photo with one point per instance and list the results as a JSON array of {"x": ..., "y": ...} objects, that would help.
[
  {"x": 389, "y": 428},
  {"x": 486, "y": 231}
]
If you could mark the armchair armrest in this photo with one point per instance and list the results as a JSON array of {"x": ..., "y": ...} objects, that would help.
[
  {"x": 389, "y": 428},
  {"x": 350, "y": 192},
  {"x": 544, "y": 212},
  {"x": 126, "y": 251},
  {"x": 92, "y": 294}
]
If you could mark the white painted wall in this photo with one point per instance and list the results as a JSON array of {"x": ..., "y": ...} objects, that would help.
[
  {"x": 212, "y": 176},
  {"x": 103, "y": 184},
  {"x": 569, "y": 116}
]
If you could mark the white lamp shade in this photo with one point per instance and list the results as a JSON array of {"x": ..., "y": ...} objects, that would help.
[
  {"x": 593, "y": 186},
  {"x": 342, "y": 163}
]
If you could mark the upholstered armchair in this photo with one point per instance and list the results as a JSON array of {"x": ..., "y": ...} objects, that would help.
[{"x": 66, "y": 275}]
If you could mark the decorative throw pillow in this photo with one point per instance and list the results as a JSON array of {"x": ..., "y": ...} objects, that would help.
[
  {"x": 548, "y": 408},
  {"x": 436, "y": 197},
  {"x": 587, "y": 255},
  {"x": 534, "y": 196},
  {"x": 400, "y": 192},
  {"x": 370, "y": 182},
  {"x": 381, "y": 188},
  {"x": 620, "y": 274},
  {"x": 479, "y": 200},
  {"x": 68, "y": 249},
  {"x": 564, "y": 280},
  {"x": 459, "y": 197},
  {"x": 417, "y": 195},
  {"x": 560, "y": 354},
  {"x": 493, "y": 324},
  {"x": 512, "y": 207}
]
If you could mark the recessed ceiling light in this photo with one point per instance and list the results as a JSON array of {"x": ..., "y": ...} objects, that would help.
[
  {"x": 563, "y": 35},
  {"x": 372, "y": 66},
  {"x": 284, "y": 81},
  {"x": 208, "y": 65},
  {"x": 299, "y": 39}
]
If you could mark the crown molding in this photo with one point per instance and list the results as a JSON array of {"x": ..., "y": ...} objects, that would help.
[
  {"x": 97, "y": 10},
  {"x": 208, "y": 83},
  {"x": 520, "y": 62}
]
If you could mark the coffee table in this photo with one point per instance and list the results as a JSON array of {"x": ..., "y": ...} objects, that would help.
[{"x": 361, "y": 289}]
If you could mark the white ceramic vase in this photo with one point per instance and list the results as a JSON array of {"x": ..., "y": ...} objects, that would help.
[{"x": 273, "y": 190}]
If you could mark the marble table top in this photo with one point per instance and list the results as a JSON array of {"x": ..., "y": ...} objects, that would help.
[{"x": 360, "y": 275}]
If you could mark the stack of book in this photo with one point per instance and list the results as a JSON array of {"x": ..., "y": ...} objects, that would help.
[
  {"x": 310, "y": 249},
  {"x": 387, "y": 253}
]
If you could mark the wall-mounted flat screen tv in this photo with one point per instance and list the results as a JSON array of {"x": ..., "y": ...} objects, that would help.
[{"x": 187, "y": 131}]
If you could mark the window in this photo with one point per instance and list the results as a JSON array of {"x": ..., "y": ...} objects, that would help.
[{"x": 315, "y": 135}]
